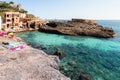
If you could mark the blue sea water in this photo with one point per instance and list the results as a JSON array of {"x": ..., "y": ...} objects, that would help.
[{"x": 98, "y": 58}]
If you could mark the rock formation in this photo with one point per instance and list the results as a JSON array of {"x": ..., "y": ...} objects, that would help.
[
  {"x": 84, "y": 77},
  {"x": 28, "y": 26},
  {"x": 29, "y": 64},
  {"x": 59, "y": 53},
  {"x": 81, "y": 27}
]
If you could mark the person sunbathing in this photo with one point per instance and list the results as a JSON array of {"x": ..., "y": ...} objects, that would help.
[{"x": 2, "y": 33}]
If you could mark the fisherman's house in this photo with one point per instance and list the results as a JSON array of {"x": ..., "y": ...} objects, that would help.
[{"x": 11, "y": 20}]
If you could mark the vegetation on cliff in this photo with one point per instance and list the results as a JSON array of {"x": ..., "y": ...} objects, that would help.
[
  {"x": 11, "y": 6},
  {"x": 30, "y": 16}
]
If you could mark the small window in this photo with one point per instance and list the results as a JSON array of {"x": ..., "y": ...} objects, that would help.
[
  {"x": 8, "y": 15},
  {"x": 8, "y": 20},
  {"x": 8, "y": 25}
]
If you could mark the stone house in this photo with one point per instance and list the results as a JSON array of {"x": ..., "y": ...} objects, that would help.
[{"x": 11, "y": 19}]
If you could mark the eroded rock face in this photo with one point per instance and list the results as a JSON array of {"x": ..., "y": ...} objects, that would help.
[
  {"x": 82, "y": 27},
  {"x": 29, "y": 64}
]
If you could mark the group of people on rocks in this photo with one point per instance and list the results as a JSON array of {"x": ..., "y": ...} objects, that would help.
[
  {"x": 10, "y": 42},
  {"x": 9, "y": 35}
]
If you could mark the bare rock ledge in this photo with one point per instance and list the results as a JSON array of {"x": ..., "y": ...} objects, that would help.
[
  {"x": 82, "y": 27},
  {"x": 29, "y": 64}
]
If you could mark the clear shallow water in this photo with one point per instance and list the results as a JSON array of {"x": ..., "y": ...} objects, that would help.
[{"x": 96, "y": 57}]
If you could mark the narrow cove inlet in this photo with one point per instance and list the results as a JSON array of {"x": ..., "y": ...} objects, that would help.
[
  {"x": 60, "y": 40},
  {"x": 95, "y": 58}
]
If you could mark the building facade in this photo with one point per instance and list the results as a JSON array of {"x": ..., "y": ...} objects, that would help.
[{"x": 12, "y": 19}]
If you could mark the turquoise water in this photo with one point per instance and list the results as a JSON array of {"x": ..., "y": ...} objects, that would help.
[{"x": 97, "y": 58}]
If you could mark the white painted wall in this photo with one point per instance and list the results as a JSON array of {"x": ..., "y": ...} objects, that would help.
[{"x": 0, "y": 23}]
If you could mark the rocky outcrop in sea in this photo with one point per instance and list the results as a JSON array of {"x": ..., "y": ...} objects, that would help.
[{"x": 82, "y": 27}]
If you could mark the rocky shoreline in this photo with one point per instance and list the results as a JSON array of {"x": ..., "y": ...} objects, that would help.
[
  {"x": 28, "y": 64},
  {"x": 75, "y": 27},
  {"x": 82, "y": 27}
]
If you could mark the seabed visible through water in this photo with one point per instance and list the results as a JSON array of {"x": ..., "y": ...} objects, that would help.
[{"x": 98, "y": 58}]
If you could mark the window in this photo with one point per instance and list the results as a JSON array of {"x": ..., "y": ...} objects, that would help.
[
  {"x": 12, "y": 19},
  {"x": 17, "y": 15},
  {"x": 8, "y": 20},
  {"x": 8, "y": 25},
  {"x": 8, "y": 15}
]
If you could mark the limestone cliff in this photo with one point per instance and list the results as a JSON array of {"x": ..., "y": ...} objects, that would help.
[
  {"x": 81, "y": 27},
  {"x": 28, "y": 64}
]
